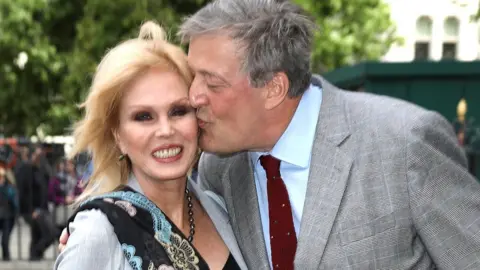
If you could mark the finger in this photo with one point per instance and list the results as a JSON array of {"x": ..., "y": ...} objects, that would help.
[
  {"x": 61, "y": 247},
  {"x": 63, "y": 237}
]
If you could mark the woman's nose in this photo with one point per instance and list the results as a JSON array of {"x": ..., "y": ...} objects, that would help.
[{"x": 164, "y": 129}]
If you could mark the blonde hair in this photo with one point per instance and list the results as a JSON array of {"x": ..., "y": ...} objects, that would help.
[{"x": 117, "y": 70}]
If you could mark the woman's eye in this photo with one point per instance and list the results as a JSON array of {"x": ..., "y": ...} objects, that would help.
[
  {"x": 143, "y": 116},
  {"x": 179, "y": 111}
]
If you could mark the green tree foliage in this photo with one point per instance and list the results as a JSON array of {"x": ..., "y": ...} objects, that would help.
[
  {"x": 65, "y": 39},
  {"x": 349, "y": 31},
  {"x": 25, "y": 91},
  {"x": 102, "y": 26}
]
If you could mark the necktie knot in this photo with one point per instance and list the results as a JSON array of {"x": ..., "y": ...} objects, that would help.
[{"x": 271, "y": 166}]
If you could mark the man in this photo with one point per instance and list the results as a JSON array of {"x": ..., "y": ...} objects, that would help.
[
  {"x": 365, "y": 182},
  {"x": 32, "y": 182},
  {"x": 314, "y": 177}
]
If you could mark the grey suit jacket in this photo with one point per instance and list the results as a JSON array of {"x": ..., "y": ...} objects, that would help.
[
  {"x": 388, "y": 189},
  {"x": 93, "y": 243}
]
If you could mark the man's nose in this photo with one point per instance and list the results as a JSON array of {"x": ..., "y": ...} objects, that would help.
[{"x": 197, "y": 95}]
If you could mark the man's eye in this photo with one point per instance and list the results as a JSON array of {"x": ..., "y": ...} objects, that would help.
[
  {"x": 143, "y": 116},
  {"x": 213, "y": 87}
]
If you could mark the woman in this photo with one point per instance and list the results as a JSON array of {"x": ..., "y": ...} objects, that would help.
[
  {"x": 64, "y": 186},
  {"x": 138, "y": 211},
  {"x": 8, "y": 210}
]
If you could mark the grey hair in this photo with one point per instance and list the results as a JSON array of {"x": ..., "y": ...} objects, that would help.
[{"x": 275, "y": 36}]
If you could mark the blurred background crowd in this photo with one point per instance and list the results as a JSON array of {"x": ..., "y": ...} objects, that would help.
[{"x": 36, "y": 185}]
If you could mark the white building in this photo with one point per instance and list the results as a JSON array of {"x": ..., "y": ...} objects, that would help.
[{"x": 435, "y": 30}]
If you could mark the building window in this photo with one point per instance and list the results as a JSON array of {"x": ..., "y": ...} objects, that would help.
[
  {"x": 451, "y": 28},
  {"x": 423, "y": 38},
  {"x": 424, "y": 27},
  {"x": 422, "y": 50},
  {"x": 449, "y": 50},
  {"x": 478, "y": 57}
]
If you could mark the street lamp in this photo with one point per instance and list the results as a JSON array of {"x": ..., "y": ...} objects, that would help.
[
  {"x": 22, "y": 60},
  {"x": 461, "y": 112},
  {"x": 468, "y": 135}
]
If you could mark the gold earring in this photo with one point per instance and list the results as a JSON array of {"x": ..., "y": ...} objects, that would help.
[{"x": 121, "y": 157}]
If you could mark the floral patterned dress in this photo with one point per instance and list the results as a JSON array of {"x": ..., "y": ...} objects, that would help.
[{"x": 150, "y": 241}]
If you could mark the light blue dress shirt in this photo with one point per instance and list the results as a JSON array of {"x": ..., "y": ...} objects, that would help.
[{"x": 294, "y": 149}]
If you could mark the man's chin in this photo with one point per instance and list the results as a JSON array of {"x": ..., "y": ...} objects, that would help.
[
  {"x": 208, "y": 145},
  {"x": 205, "y": 143}
]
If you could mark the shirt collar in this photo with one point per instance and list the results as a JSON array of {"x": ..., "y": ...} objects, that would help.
[{"x": 295, "y": 144}]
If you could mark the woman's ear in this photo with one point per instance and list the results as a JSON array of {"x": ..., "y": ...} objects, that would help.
[{"x": 118, "y": 141}]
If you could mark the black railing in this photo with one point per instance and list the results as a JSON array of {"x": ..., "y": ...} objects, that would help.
[{"x": 21, "y": 235}]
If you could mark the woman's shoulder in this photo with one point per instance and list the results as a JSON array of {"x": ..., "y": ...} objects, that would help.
[
  {"x": 54, "y": 180},
  {"x": 8, "y": 189},
  {"x": 93, "y": 222},
  {"x": 92, "y": 244},
  {"x": 11, "y": 190},
  {"x": 91, "y": 228}
]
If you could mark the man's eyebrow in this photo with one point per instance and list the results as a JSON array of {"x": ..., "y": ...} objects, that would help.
[{"x": 215, "y": 75}]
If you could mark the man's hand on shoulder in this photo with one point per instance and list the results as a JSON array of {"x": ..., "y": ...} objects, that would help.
[{"x": 63, "y": 240}]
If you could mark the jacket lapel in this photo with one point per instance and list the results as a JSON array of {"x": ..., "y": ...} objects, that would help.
[
  {"x": 329, "y": 170},
  {"x": 219, "y": 217},
  {"x": 243, "y": 207}
]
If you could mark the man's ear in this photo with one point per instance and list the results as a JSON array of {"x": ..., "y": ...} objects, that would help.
[{"x": 276, "y": 90}]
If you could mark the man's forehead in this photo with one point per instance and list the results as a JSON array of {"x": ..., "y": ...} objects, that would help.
[
  {"x": 210, "y": 55},
  {"x": 212, "y": 45}
]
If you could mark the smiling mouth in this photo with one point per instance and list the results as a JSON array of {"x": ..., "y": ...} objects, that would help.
[{"x": 167, "y": 153}]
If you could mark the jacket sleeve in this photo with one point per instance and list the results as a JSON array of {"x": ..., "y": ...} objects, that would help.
[{"x": 444, "y": 197}]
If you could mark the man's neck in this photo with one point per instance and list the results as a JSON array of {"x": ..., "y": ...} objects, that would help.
[{"x": 276, "y": 122}]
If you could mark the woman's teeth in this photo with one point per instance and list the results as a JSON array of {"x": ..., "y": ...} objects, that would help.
[{"x": 167, "y": 153}]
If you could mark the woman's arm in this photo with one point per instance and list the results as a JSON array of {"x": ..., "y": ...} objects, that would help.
[{"x": 92, "y": 245}]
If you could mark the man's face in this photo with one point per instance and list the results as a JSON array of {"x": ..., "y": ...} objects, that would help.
[
  {"x": 36, "y": 155},
  {"x": 229, "y": 110}
]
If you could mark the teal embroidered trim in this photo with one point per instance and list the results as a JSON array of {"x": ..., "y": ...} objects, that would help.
[
  {"x": 161, "y": 227},
  {"x": 134, "y": 261}
]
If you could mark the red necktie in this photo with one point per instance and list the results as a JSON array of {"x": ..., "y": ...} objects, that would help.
[{"x": 283, "y": 240}]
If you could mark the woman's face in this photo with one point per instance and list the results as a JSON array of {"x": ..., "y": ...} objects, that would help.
[
  {"x": 70, "y": 167},
  {"x": 2, "y": 177},
  {"x": 157, "y": 126},
  {"x": 61, "y": 166}
]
